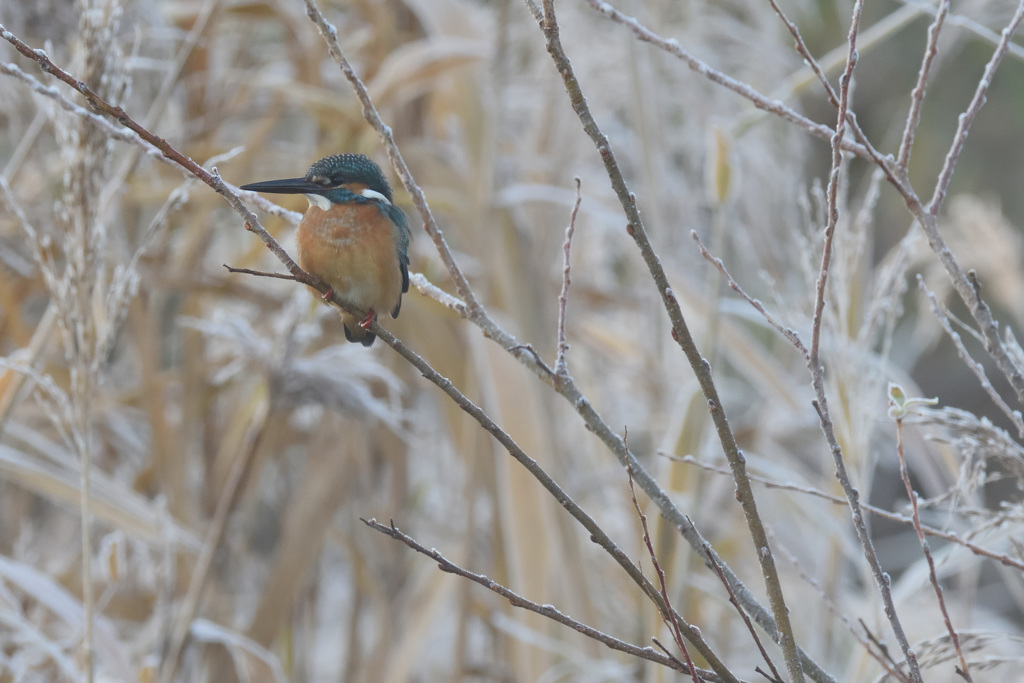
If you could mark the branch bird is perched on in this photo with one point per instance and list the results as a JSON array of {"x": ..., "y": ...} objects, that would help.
[{"x": 352, "y": 236}]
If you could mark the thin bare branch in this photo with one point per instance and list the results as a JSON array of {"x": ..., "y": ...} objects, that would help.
[
  {"x": 880, "y": 655},
  {"x": 817, "y": 370},
  {"x": 905, "y": 475},
  {"x": 597, "y": 534},
  {"x": 931, "y": 49},
  {"x": 845, "y": 82},
  {"x": 759, "y": 100},
  {"x": 681, "y": 333},
  {"x": 775, "y": 677},
  {"x": 979, "y": 371},
  {"x": 259, "y": 273},
  {"x": 563, "y": 297},
  {"x": 882, "y": 648},
  {"x": 549, "y": 611},
  {"x": 668, "y": 615},
  {"x": 661, "y": 646},
  {"x": 967, "y": 118},
  {"x": 805, "y": 52},
  {"x": 1001, "y": 558},
  {"x": 787, "y": 332}
]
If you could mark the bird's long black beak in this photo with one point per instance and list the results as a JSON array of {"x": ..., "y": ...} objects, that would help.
[{"x": 285, "y": 186}]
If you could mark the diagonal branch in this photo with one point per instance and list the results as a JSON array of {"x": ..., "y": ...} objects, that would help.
[
  {"x": 750, "y": 627},
  {"x": 567, "y": 388},
  {"x": 977, "y": 368},
  {"x": 597, "y": 534},
  {"x": 756, "y": 98},
  {"x": 565, "y": 385},
  {"x": 169, "y": 152},
  {"x": 894, "y": 173},
  {"x": 516, "y": 600},
  {"x": 789, "y": 333},
  {"x": 681, "y": 333}
]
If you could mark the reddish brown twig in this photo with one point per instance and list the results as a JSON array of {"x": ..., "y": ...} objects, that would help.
[
  {"x": 897, "y": 409},
  {"x": 775, "y": 677},
  {"x": 667, "y": 614}
]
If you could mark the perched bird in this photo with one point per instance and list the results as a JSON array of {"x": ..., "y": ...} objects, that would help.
[{"x": 352, "y": 236}]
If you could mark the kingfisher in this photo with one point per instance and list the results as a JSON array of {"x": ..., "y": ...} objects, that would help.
[{"x": 352, "y": 237}]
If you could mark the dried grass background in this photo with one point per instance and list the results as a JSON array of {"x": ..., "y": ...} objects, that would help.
[{"x": 124, "y": 337}]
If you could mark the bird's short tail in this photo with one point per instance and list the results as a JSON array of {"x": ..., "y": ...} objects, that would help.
[{"x": 354, "y": 333}]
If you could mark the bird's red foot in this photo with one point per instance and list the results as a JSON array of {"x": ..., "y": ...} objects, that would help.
[
  {"x": 329, "y": 294},
  {"x": 365, "y": 323}
]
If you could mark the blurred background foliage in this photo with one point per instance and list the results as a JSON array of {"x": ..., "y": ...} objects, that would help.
[{"x": 202, "y": 360}]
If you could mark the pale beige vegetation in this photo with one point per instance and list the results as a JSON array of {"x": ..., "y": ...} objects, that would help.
[{"x": 128, "y": 346}]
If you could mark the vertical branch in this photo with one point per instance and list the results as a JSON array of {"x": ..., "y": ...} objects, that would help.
[
  {"x": 561, "y": 368},
  {"x": 668, "y": 614},
  {"x": 883, "y": 162},
  {"x": 898, "y": 405},
  {"x": 833, "y": 183},
  {"x": 967, "y": 118},
  {"x": 814, "y": 360},
  {"x": 681, "y": 334},
  {"x": 917, "y": 94}
]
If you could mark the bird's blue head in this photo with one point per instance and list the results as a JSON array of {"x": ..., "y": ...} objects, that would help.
[{"x": 336, "y": 179}]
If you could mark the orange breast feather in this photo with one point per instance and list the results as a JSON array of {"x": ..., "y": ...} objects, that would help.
[{"x": 352, "y": 248}]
